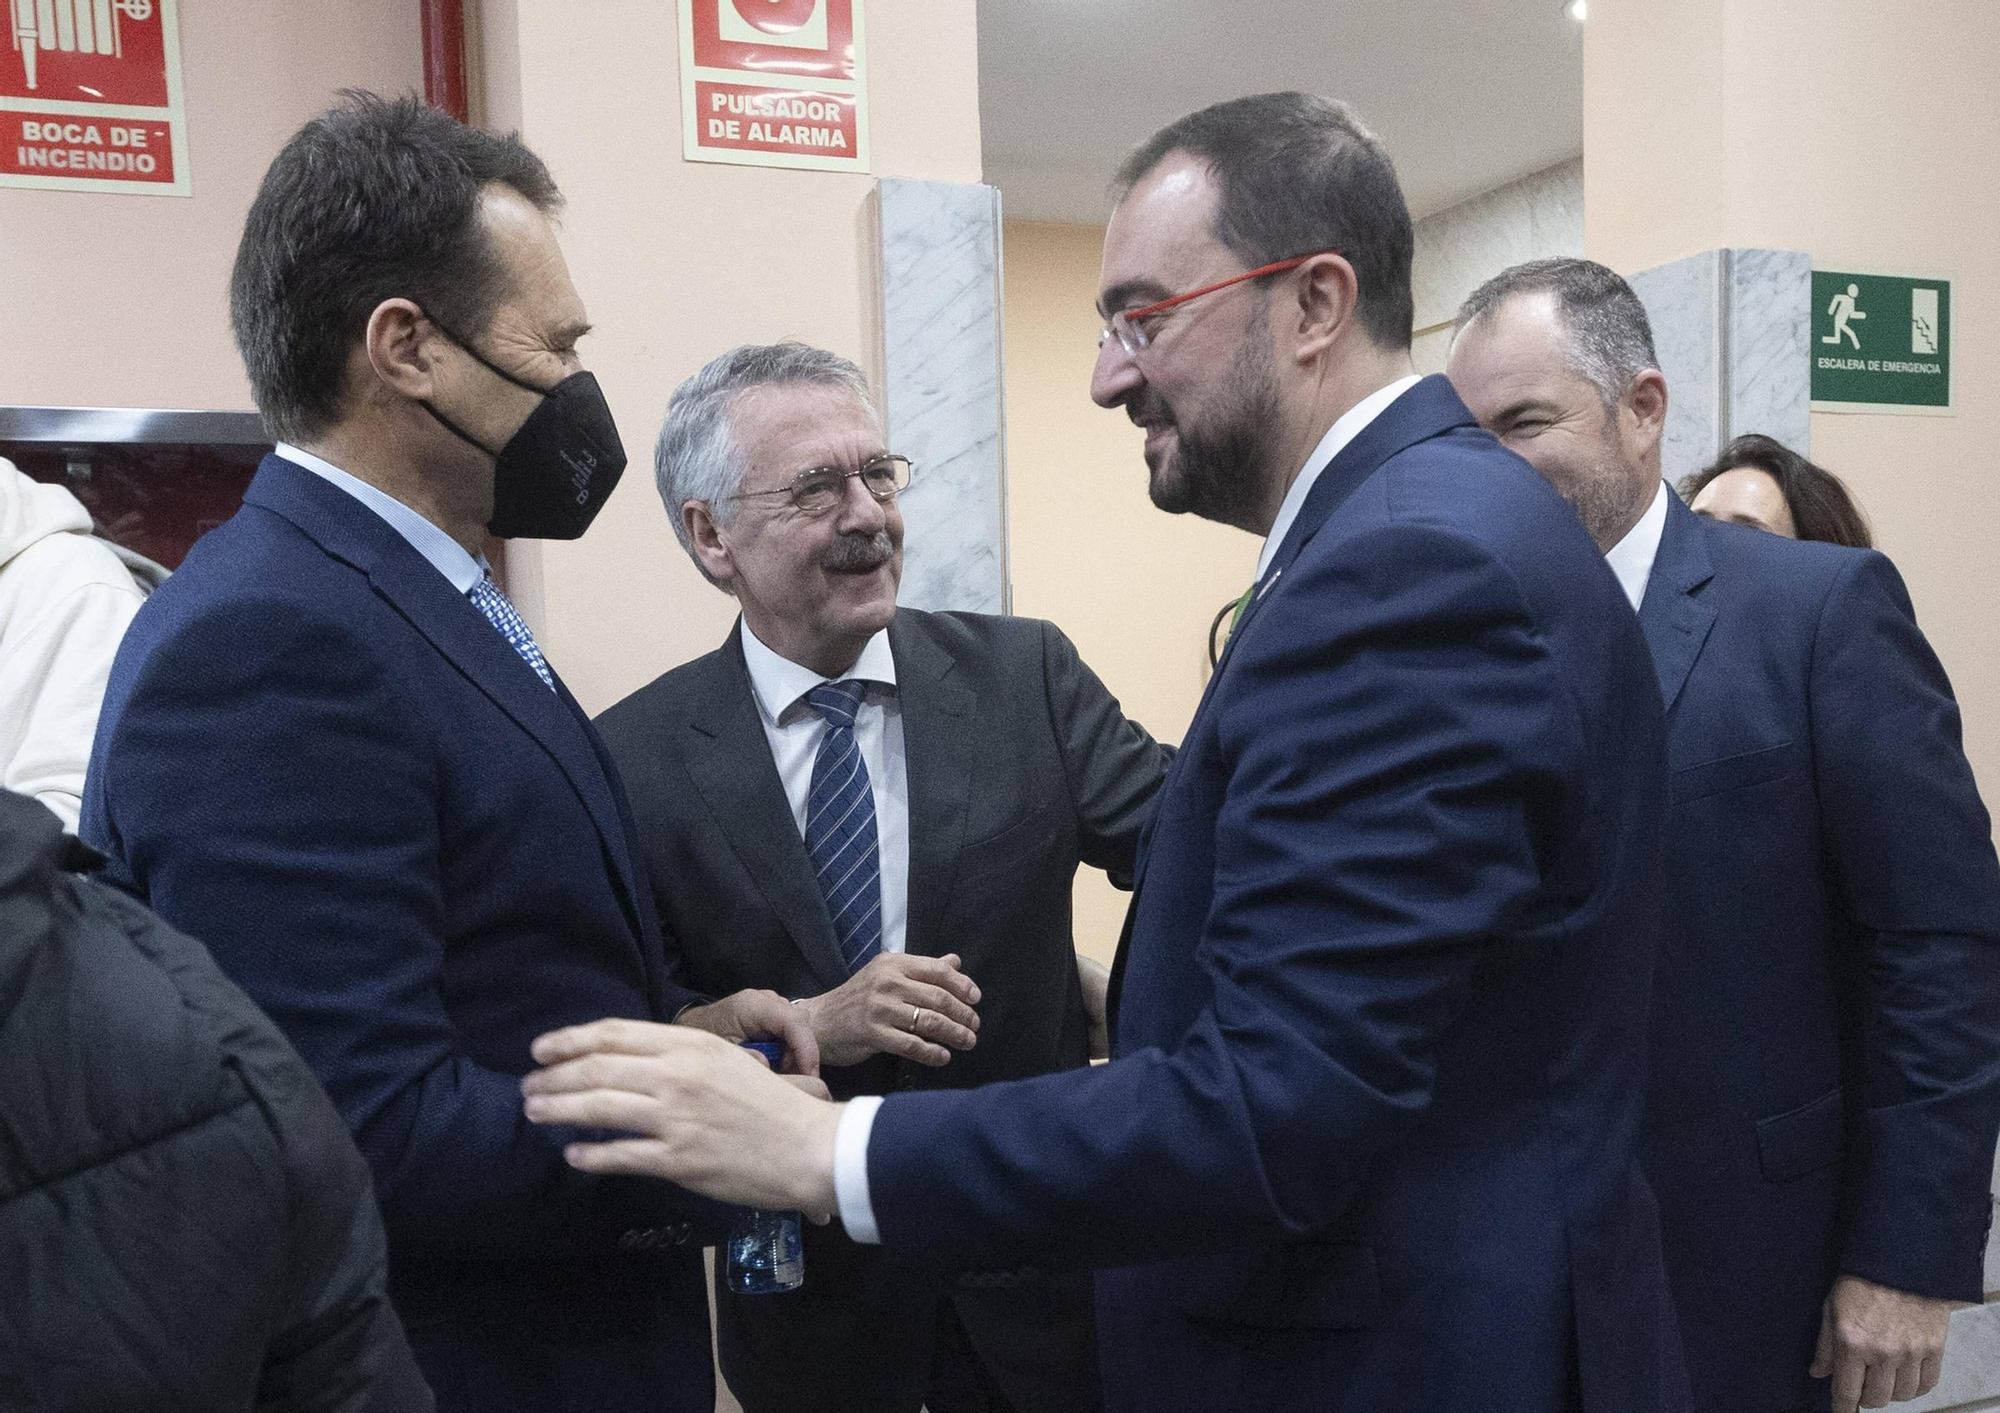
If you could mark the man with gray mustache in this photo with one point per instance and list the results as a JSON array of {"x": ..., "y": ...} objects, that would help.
[{"x": 877, "y": 812}]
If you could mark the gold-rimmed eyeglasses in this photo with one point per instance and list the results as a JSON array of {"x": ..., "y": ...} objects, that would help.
[{"x": 819, "y": 489}]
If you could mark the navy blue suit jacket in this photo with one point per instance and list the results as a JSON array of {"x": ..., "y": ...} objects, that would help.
[
  {"x": 1825, "y": 1086},
  {"x": 1370, "y": 1138},
  {"x": 322, "y": 761}
]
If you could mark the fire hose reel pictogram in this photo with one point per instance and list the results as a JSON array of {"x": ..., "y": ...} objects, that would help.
[{"x": 71, "y": 27}]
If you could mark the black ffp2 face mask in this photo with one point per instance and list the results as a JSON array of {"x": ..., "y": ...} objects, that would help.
[{"x": 555, "y": 473}]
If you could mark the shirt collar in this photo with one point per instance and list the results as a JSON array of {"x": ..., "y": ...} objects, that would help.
[
  {"x": 778, "y": 683},
  {"x": 445, "y": 554},
  {"x": 1344, "y": 430},
  {"x": 1631, "y": 559}
]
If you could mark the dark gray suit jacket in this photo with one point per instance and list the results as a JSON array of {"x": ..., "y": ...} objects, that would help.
[{"x": 1020, "y": 766}]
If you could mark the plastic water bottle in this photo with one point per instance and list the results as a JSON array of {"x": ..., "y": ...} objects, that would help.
[{"x": 766, "y": 1249}]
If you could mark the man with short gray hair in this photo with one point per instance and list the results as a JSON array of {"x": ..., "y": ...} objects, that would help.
[
  {"x": 879, "y": 813},
  {"x": 1825, "y": 1079},
  {"x": 1610, "y": 347}
]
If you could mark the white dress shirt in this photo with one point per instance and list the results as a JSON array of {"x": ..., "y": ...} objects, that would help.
[
  {"x": 857, "y": 1121},
  {"x": 1631, "y": 559},
  {"x": 795, "y": 730},
  {"x": 445, "y": 554},
  {"x": 1344, "y": 430}
]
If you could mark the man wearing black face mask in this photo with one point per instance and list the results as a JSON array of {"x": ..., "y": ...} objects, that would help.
[
  {"x": 335, "y": 754},
  {"x": 555, "y": 473}
]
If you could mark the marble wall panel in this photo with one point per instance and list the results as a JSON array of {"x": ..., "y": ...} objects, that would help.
[
  {"x": 940, "y": 284},
  {"x": 1555, "y": 210},
  {"x": 1684, "y": 303},
  {"x": 1460, "y": 248},
  {"x": 1770, "y": 368},
  {"x": 1730, "y": 328},
  {"x": 1431, "y": 350}
]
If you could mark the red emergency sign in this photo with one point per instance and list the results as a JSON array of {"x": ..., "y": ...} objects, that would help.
[
  {"x": 775, "y": 83},
  {"x": 90, "y": 96}
]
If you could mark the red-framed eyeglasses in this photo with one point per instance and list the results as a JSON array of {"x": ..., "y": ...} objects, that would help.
[{"x": 1126, "y": 325}]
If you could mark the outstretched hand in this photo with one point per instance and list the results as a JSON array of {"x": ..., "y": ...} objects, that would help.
[{"x": 702, "y": 1113}]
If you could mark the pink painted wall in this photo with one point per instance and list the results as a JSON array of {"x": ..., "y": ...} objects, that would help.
[
  {"x": 1857, "y": 132},
  {"x": 678, "y": 261},
  {"x": 124, "y": 300}
]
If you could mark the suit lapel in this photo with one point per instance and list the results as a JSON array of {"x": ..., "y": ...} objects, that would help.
[
  {"x": 349, "y": 531},
  {"x": 939, "y": 740},
  {"x": 729, "y": 758},
  {"x": 1675, "y": 622},
  {"x": 1428, "y": 409}
]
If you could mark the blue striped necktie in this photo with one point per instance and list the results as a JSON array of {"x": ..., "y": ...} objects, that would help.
[
  {"x": 840, "y": 827},
  {"x": 487, "y": 597}
]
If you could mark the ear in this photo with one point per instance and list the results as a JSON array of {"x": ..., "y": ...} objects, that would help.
[
  {"x": 709, "y": 548},
  {"x": 1644, "y": 412},
  {"x": 401, "y": 345},
  {"x": 1325, "y": 294}
]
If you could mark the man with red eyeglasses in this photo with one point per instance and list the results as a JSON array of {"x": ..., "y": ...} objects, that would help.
[{"x": 1368, "y": 1137}]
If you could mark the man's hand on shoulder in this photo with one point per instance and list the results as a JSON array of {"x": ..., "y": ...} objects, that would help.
[
  {"x": 1879, "y": 1345},
  {"x": 759, "y": 1015},
  {"x": 920, "y": 1008}
]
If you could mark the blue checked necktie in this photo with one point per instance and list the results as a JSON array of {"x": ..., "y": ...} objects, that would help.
[
  {"x": 501, "y": 613},
  {"x": 840, "y": 827}
]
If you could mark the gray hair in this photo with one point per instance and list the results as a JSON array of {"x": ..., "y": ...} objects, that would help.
[
  {"x": 697, "y": 458},
  {"x": 1610, "y": 340}
]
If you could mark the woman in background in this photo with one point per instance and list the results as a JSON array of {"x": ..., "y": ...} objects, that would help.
[{"x": 1760, "y": 482}]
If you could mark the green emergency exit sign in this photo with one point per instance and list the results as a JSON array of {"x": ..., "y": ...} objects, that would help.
[{"x": 1880, "y": 343}]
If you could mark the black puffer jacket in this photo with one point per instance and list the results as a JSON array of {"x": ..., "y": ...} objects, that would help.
[{"x": 184, "y": 1222}]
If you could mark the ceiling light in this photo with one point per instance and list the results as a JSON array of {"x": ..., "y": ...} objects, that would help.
[{"x": 1577, "y": 10}]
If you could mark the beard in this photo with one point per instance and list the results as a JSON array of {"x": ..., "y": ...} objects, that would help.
[
  {"x": 1603, "y": 502},
  {"x": 1607, "y": 494},
  {"x": 1218, "y": 468}
]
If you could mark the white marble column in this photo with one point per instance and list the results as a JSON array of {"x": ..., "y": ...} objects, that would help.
[
  {"x": 940, "y": 282},
  {"x": 1730, "y": 328}
]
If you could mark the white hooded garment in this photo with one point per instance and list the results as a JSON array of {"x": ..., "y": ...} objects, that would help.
[{"x": 65, "y": 602}]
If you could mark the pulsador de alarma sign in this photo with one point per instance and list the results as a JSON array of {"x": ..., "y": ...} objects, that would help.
[
  {"x": 90, "y": 97},
  {"x": 774, "y": 83}
]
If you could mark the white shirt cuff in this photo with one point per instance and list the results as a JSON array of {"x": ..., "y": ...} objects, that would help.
[{"x": 850, "y": 1168}]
